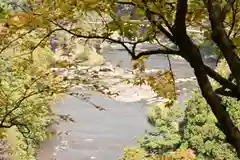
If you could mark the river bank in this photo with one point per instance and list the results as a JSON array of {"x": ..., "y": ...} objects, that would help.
[
  {"x": 100, "y": 134},
  {"x": 103, "y": 134}
]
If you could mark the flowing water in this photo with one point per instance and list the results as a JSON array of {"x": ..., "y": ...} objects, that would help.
[{"x": 102, "y": 135}]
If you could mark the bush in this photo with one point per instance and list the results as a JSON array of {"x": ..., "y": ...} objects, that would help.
[
  {"x": 166, "y": 120},
  {"x": 201, "y": 133},
  {"x": 182, "y": 154},
  {"x": 197, "y": 133},
  {"x": 140, "y": 154}
]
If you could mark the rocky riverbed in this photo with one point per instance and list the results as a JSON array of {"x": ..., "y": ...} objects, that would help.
[
  {"x": 114, "y": 79},
  {"x": 102, "y": 135}
]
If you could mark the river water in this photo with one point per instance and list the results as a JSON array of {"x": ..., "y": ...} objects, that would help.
[{"x": 102, "y": 135}]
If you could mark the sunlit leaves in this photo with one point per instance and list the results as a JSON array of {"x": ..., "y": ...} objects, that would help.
[
  {"x": 27, "y": 91},
  {"x": 183, "y": 154},
  {"x": 197, "y": 13},
  {"x": 138, "y": 153},
  {"x": 21, "y": 19},
  {"x": 162, "y": 83}
]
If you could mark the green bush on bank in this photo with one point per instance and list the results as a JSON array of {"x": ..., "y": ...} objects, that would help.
[
  {"x": 165, "y": 120},
  {"x": 137, "y": 154},
  {"x": 197, "y": 131},
  {"x": 141, "y": 154},
  {"x": 201, "y": 133}
]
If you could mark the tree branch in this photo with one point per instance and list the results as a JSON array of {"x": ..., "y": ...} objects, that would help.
[
  {"x": 227, "y": 8},
  {"x": 149, "y": 14},
  {"x": 41, "y": 41},
  {"x": 210, "y": 72},
  {"x": 150, "y": 11},
  {"x": 234, "y": 20},
  {"x": 96, "y": 37},
  {"x": 22, "y": 35},
  {"x": 157, "y": 51},
  {"x": 126, "y": 3},
  {"x": 221, "y": 80},
  {"x": 222, "y": 40},
  {"x": 222, "y": 92}
]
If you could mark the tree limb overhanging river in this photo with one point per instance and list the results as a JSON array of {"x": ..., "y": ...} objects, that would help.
[{"x": 102, "y": 135}]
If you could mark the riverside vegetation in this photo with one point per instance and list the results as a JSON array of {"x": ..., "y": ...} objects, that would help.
[
  {"x": 28, "y": 85},
  {"x": 189, "y": 134}
]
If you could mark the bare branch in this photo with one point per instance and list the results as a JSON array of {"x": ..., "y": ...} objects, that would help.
[
  {"x": 157, "y": 51},
  {"x": 41, "y": 41},
  {"x": 223, "y": 81},
  {"x": 151, "y": 12},
  {"x": 126, "y": 3},
  {"x": 222, "y": 92},
  {"x": 234, "y": 20},
  {"x": 222, "y": 40},
  {"x": 123, "y": 43},
  {"x": 76, "y": 95},
  {"x": 159, "y": 26},
  {"x": 170, "y": 68},
  {"x": 96, "y": 37}
]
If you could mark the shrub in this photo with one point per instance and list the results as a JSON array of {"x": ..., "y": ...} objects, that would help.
[
  {"x": 166, "y": 120},
  {"x": 182, "y": 154},
  {"x": 198, "y": 134},
  {"x": 140, "y": 154},
  {"x": 201, "y": 133}
]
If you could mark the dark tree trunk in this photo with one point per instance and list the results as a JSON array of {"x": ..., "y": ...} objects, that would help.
[
  {"x": 224, "y": 121},
  {"x": 192, "y": 54}
]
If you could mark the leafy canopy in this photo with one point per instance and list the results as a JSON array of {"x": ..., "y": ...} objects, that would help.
[{"x": 171, "y": 20}]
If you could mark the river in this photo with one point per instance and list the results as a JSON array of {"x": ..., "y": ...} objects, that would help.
[{"x": 102, "y": 135}]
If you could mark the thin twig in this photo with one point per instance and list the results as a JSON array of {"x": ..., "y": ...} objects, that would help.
[
  {"x": 22, "y": 35},
  {"x": 41, "y": 41}
]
